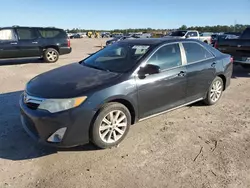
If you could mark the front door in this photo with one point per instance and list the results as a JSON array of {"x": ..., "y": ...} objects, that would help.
[
  {"x": 201, "y": 70},
  {"x": 28, "y": 42},
  {"x": 167, "y": 89},
  {"x": 8, "y": 44}
]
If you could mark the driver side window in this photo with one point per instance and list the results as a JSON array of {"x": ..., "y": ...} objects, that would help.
[{"x": 167, "y": 57}]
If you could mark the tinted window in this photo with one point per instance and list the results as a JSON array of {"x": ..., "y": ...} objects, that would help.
[
  {"x": 120, "y": 57},
  {"x": 26, "y": 34},
  {"x": 178, "y": 33},
  {"x": 6, "y": 34},
  {"x": 167, "y": 57},
  {"x": 192, "y": 34},
  {"x": 52, "y": 33},
  {"x": 195, "y": 52}
]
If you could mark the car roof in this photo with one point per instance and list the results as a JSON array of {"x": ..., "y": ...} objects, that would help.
[
  {"x": 154, "y": 41},
  {"x": 13, "y": 27}
]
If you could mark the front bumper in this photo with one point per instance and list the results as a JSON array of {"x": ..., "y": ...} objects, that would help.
[{"x": 40, "y": 125}]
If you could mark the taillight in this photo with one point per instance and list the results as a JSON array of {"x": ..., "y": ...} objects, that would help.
[
  {"x": 216, "y": 44},
  {"x": 68, "y": 43},
  {"x": 231, "y": 59}
]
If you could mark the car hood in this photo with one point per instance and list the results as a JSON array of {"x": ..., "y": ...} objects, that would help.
[{"x": 69, "y": 81}]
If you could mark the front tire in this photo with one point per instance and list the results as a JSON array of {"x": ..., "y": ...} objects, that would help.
[
  {"x": 51, "y": 55},
  {"x": 215, "y": 91},
  {"x": 111, "y": 125}
]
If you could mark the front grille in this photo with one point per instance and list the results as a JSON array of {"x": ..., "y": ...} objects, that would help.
[
  {"x": 32, "y": 102},
  {"x": 32, "y": 106}
]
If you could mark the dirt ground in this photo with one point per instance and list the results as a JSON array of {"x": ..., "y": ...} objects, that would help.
[{"x": 196, "y": 146}]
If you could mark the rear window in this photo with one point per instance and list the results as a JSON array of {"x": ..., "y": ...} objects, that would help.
[
  {"x": 52, "y": 33},
  {"x": 195, "y": 52}
]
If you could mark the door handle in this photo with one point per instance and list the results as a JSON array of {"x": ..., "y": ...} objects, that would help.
[
  {"x": 13, "y": 43},
  {"x": 213, "y": 64},
  {"x": 34, "y": 42},
  {"x": 182, "y": 73}
]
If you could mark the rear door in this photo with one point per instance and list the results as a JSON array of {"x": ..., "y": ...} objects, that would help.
[
  {"x": 201, "y": 70},
  {"x": 8, "y": 44},
  {"x": 28, "y": 42}
]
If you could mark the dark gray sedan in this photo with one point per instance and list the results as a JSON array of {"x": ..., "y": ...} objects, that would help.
[{"x": 98, "y": 98}]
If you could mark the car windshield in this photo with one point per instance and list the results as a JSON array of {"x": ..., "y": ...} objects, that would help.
[
  {"x": 120, "y": 57},
  {"x": 178, "y": 33}
]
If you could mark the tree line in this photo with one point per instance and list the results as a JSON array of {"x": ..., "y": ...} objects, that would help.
[
  {"x": 214, "y": 29},
  {"x": 217, "y": 28}
]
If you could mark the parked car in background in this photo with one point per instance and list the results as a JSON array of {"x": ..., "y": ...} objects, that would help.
[
  {"x": 99, "y": 98},
  {"x": 114, "y": 40},
  {"x": 192, "y": 34},
  {"x": 238, "y": 47},
  {"x": 142, "y": 35},
  {"x": 19, "y": 42},
  {"x": 116, "y": 35},
  {"x": 76, "y": 36},
  {"x": 223, "y": 36},
  {"x": 105, "y": 34}
]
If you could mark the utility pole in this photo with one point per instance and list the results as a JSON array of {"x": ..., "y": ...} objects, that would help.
[{"x": 235, "y": 22}]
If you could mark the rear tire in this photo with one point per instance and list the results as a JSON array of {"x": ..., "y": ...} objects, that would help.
[
  {"x": 50, "y": 55},
  {"x": 215, "y": 91},
  {"x": 111, "y": 125}
]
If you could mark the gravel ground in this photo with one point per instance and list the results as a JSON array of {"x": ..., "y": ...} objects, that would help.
[{"x": 195, "y": 146}]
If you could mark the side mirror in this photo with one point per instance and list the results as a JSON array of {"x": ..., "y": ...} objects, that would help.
[
  {"x": 187, "y": 36},
  {"x": 148, "y": 70}
]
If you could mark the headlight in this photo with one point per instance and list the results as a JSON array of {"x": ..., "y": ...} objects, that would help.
[{"x": 58, "y": 105}]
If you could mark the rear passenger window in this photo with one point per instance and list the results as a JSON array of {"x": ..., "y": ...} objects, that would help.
[
  {"x": 195, "y": 52},
  {"x": 50, "y": 33},
  {"x": 166, "y": 57},
  {"x": 7, "y": 34},
  {"x": 26, "y": 34}
]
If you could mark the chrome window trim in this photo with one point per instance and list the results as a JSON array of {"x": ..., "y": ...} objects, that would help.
[
  {"x": 202, "y": 47},
  {"x": 135, "y": 73}
]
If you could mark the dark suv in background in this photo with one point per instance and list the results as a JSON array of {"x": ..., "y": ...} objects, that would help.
[{"x": 47, "y": 43}]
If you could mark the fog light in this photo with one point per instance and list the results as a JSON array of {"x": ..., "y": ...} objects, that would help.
[{"x": 57, "y": 136}]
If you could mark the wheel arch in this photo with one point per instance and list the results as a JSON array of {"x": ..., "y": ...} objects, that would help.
[
  {"x": 51, "y": 46},
  {"x": 123, "y": 100},
  {"x": 223, "y": 77}
]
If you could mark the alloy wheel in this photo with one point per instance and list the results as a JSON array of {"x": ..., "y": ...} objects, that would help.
[
  {"x": 52, "y": 55},
  {"x": 216, "y": 91},
  {"x": 113, "y": 126}
]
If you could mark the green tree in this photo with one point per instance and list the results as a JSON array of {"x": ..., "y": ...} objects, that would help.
[{"x": 183, "y": 27}]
